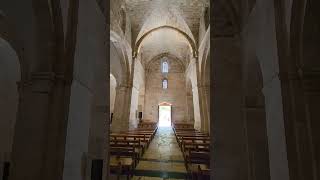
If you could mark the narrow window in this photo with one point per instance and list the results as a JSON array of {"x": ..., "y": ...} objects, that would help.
[
  {"x": 165, "y": 84},
  {"x": 165, "y": 67}
]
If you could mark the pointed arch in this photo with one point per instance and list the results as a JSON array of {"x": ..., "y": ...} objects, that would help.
[{"x": 184, "y": 34}]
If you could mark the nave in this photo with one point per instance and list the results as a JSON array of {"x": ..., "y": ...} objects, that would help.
[
  {"x": 177, "y": 152},
  {"x": 261, "y": 109}
]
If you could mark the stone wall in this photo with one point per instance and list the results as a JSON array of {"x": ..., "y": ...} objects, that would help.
[{"x": 175, "y": 94}]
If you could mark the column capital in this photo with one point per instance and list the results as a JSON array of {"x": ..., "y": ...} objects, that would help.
[
  {"x": 39, "y": 82},
  {"x": 311, "y": 80},
  {"x": 124, "y": 86},
  {"x": 42, "y": 82}
]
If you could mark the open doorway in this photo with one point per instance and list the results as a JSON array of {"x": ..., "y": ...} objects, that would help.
[{"x": 165, "y": 115}]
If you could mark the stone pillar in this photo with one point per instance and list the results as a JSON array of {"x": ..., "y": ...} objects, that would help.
[
  {"x": 229, "y": 143},
  {"x": 190, "y": 115},
  {"x": 99, "y": 138},
  {"x": 133, "y": 122},
  {"x": 121, "y": 114},
  {"x": 276, "y": 131},
  {"x": 196, "y": 108},
  {"x": 1, "y": 169},
  {"x": 311, "y": 88},
  {"x": 31, "y": 139},
  {"x": 254, "y": 113},
  {"x": 205, "y": 106}
]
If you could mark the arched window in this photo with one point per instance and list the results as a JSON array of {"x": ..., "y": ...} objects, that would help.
[
  {"x": 165, "y": 84},
  {"x": 165, "y": 67}
]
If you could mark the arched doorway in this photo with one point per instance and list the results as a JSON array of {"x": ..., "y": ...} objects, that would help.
[{"x": 165, "y": 114}]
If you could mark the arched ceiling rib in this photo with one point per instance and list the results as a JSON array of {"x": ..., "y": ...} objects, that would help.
[
  {"x": 163, "y": 14},
  {"x": 164, "y": 29},
  {"x": 190, "y": 41},
  {"x": 165, "y": 41},
  {"x": 189, "y": 10},
  {"x": 165, "y": 26}
]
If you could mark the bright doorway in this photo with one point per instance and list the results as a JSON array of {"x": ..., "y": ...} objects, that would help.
[{"x": 164, "y": 115}]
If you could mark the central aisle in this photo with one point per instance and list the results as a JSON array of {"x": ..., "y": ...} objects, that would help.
[{"x": 163, "y": 159}]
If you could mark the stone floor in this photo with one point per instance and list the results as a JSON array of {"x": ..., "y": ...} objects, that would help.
[{"x": 162, "y": 160}]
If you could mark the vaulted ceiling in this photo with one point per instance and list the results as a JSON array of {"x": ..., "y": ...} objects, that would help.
[
  {"x": 165, "y": 27},
  {"x": 190, "y": 10}
]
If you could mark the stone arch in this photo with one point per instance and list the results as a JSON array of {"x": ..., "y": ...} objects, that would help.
[
  {"x": 189, "y": 39},
  {"x": 121, "y": 66},
  {"x": 6, "y": 31},
  {"x": 193, "y": 82},
  {"x": 204, "y": 57},
  {"x": 6, "y": 34},
  {"x": 123, "y": 58},
  {"x": 10, "y": 76}
]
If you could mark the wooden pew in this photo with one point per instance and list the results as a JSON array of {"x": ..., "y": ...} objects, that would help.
[
  {"x": 198, "y": 165},
  {"x": 145, "y": 139},
  {"x": 128, "y": 144},
  {"x": 122, "y": 161},
  {"x": 195, "y": 147},
  {"x": 127, "y": 148}
]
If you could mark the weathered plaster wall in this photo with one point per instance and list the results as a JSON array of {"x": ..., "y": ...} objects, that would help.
[{"x": 175, "y": 94}]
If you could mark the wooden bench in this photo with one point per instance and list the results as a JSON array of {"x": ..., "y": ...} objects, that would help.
[
  {"x": 129, "y": 144},
  {"x": 183, "y": 125},
  {"x": 122, "y": 161},
  {"x": 193, "y": 139},
  {"x": 195, "y": 147},
  {"x": 145, "y": 139},
  {"x": 198, "y": 165},
  {"x": 148, "y": 125}
]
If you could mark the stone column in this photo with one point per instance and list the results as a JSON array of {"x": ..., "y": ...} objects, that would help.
[
  {"x": 229, "y": 151},
  {"x": 99, "y": 137},
  {"x": 31, "y": 130},
  {"x": 205, "y": 106},
  {"x": 292, "y": 153},
  {"x": 133, "y": 122},
  {"x": 311, "y": 88},
  {"x": 196, "y": 108},
  {"x": 276, "y": 131},
  {"x": 190, "y": 115},
  {"x": 254, "y": 114},
  {"x": 121, "y": 114}
]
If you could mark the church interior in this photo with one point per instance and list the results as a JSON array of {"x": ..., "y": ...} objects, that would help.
[{"x": 132, "y": 89}]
